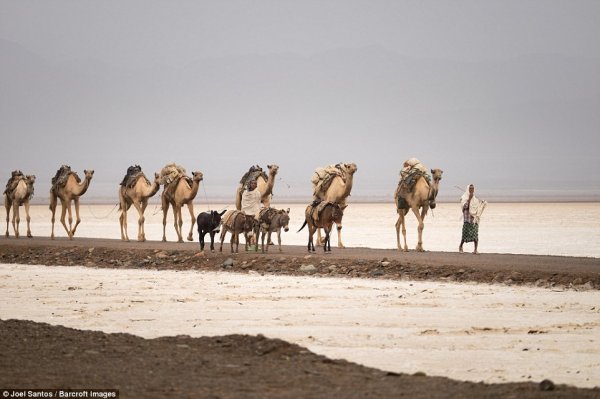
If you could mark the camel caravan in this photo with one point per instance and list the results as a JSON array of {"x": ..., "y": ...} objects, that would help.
[{"x": 253, "y": 217}]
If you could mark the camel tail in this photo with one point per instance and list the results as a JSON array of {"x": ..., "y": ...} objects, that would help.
[{"x": 302, "y": 226}]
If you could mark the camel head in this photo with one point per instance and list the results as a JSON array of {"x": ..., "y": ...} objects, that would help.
[
  {"x": 436, "y": 175},
  {"x": 88, "y": 174},
  {"x": 30, "y": 178},
  {"x": 349, "y": 168},
  {"x": 273, "y": 169},
  {"x": 157, "y": 177},
  {"x": 197, "y": 176}
]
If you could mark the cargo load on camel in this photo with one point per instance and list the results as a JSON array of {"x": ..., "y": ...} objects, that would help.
[
  {"x": 15, "y": 177},
  {"x": 173, "y": 172},
  {"x": 133, "y": 172},
  {"x": 411, "y": 171},
  {"x": 252, "y": 174},
  {"x": 322, "y": 177},
  {"x": 60, "y": 178}
]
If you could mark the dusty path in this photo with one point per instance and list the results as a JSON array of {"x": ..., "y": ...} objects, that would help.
[{"x": 354, "y": 262}]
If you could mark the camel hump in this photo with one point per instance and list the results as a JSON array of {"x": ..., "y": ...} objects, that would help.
[
  {"x": 323, "y": 177},
  {"x": 412, "y": 171},
  {"x": 61, "y": 176},
  {"x": 133, "y": 172},
  {"x": 15, "y": 177},
  {"x": 170, "y": 173}
]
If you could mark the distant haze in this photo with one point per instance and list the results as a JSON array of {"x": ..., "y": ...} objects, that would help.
[{"x": 502, "y": 94}]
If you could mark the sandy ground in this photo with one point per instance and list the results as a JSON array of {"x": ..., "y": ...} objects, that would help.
[{"x": 476, "y": 332}]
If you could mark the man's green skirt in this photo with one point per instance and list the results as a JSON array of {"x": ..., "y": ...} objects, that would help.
[{"x": 470, "y": 232}]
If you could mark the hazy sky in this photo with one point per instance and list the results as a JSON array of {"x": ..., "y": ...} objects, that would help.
[{"x": 504, "y": 94}]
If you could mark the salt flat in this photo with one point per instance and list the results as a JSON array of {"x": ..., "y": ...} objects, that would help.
[{"x": 490, "y": 333}]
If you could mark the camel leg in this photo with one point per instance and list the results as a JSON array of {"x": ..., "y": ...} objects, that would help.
[
  {"x": 77, "y": 218},
  {"x": 143, "y": 221},
  {"x": 420, "y": 229},
  {"x": 7, "y": 205},
  {"x": 403, "y": 224},
  {"x": 319, "y": 238},
  {"x": 191, "y": 209},
  {"x": 123, "y": 225},
  {"x": 140, "y": 209},
  {"x": 63, "y": 213},
  {"x": 123, "y": 221},
  {"x": 398, "y": 225},
  {"x": 28, "y": 218},
  {"x": 52, "y": 207},
  {"x": 165, "y": 209},
  {"x": 178, "y": 222},
  {"x": 339, "y": 231},
  {"x": 15, "y": 218}
]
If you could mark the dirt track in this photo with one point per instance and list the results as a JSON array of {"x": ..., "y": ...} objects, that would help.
[
  {"x": 354, "y": 262},
  {"x": 39, "y": 355}
]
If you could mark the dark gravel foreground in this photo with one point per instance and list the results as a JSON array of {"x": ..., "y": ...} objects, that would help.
[{"x": 37, "y": 355}]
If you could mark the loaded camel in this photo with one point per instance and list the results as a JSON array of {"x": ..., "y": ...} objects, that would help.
[
  {"x": 422, "y": 197},
  {"x": 177, "y": 194},
  {"x": 337, "y": 192},
  {"x": 18, "y": 192},
  {"x": 322, "y": 215},
  {"x": 137, "y": 194},
  {"x": 69, "y": 190},
  {"x": 264, "y": 187}
]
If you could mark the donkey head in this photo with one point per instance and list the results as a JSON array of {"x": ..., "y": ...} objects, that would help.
[{"x": 284, "y": 219}]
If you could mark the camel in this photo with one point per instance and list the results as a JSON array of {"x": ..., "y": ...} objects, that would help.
[
  {"x": 177, "y": 194},
  {"x": 137, "y": 195},
  {"x": 264, "y": 187},
  {"x": 72, "y": 189},
  {"x": 329, "y": 214},
  {"x": 14, "y": 198},
  {"x": 337, "y": 192},
  {"x": 421, "y": 197}
]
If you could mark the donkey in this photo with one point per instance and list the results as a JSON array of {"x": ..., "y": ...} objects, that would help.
[
  {"x": 272, "y": 220},
  {"x": 322, "y": 215},
  {"x": 208, "y": 223},
  {"x": 237, "y": 222}
]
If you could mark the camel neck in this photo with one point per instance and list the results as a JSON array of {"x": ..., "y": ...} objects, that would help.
[{"x": 82, "y": 187}]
